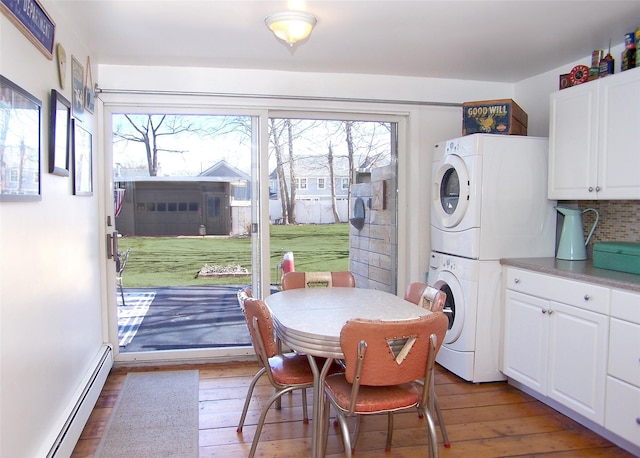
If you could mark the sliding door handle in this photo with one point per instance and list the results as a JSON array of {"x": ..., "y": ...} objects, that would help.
[{"x": 112, "y": 245}]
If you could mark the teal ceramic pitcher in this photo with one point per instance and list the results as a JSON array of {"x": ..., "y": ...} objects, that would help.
[{"x": 572, "y": 245}]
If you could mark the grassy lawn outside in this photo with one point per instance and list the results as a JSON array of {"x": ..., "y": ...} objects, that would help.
[{"x": 176, "y": 261}]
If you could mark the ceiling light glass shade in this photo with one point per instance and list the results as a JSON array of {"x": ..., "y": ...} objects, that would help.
[{"x": 291, "y": 26}]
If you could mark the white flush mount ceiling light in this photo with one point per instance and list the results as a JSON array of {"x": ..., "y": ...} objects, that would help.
[{"x": 291, "y": 26}]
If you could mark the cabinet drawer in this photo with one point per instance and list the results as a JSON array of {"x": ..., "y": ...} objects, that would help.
[
  {"x": 622, "y": 414},
  {"x": 583, "y": 295},
  {"x": 624, "y": 351},
  {"x": 625, "y": 305}
]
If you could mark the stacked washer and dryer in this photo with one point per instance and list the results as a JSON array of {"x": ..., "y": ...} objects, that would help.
[{"x": 489, "y": 202}]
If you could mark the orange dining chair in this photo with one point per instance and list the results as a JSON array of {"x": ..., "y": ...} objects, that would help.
[
  {"x": 243, "y": 294},
  {"x": 432, "y": 299},
  {"x": 293, "y": 280},
  {"x": 414, "y": 292},
  {"x": 286, "y": 372},
  {"x": 426, "y": 296},
  {"x": 383, "y": 361}
]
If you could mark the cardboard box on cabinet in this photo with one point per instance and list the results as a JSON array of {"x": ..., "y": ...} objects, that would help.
[{"x": 502, "y": 116}]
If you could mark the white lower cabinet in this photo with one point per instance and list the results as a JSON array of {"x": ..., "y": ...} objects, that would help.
[
  {"x": 576, "y": 344},
  {"x": 623, "y": 410},
  {"x": 578, "y": 359},
  {"x": 623, "y": 383},
  {"x": 558, "y": 350},
  {"x": 526, "y": 340}
]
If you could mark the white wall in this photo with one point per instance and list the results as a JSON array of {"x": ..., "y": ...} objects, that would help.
[{"x": 50, "y": 316}]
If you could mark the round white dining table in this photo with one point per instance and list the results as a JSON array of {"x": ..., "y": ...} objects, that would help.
[{"x": 309, "y": 321}]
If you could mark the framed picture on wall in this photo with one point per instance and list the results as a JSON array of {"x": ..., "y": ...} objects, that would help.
[
  {"x": 33, "y": 21},
  {"x": 82, "y": 161},
  {"x": 19, "y": 143},
  {"x": 89, "y": 89},
  {"x": 77, "y": 87},
  {"x": 59, "y": 134}
]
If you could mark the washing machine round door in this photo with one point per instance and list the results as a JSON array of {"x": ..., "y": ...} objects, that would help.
[
  {"x": 454, "y": 307},
  {"x": 451, "y": 191}
]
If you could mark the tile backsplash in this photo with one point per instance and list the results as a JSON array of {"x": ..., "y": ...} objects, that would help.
[{"x": 619, "y": 220}]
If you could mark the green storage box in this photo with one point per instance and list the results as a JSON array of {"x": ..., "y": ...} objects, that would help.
[{"x": 620, "y": 256}]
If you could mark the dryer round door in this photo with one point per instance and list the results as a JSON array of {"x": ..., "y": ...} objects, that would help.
[
  {"x": 454, "y": 307},
  {"x": 451, "y": 192}
]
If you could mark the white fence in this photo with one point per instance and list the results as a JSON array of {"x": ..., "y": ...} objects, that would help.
[
  {"x": 311, "y": 211},
  {"x": 307, "y": 212}
]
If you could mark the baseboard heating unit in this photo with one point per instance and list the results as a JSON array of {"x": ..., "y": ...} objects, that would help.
[{"x": 84, "y": 401}]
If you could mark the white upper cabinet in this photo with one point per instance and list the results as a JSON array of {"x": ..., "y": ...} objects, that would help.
[{"x": 594, "y": 139}]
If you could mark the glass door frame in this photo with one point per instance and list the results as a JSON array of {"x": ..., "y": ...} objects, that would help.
[
  {"x": 188, "y": 105},
  {"x": 260, "y": 110}
]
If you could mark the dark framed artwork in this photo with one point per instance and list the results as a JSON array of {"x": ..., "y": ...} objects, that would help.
[
  {"x": 82, "y": 161},
  {"x": 89, "y": 89},
  {"x": 77, "y": 87},
  {"x": 20, "y": 114},
  {"x": 59, "y": 134}
]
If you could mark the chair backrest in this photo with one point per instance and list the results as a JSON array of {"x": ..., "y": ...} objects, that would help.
[
  {"x": 260, "y": 326},
  {"x": 384, "y": 353},
  {"x": 426, "y": 296},
  {"x": 434, "y": 299},
  {"x": 243, "y": 294},
  {"x": 414, "y": 292},
  {"x": 295, "y": 280}
]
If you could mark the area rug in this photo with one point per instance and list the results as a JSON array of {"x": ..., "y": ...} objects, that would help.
[
  {"x": 156, "y": 415},
  {"x": 131, "y": 314}
]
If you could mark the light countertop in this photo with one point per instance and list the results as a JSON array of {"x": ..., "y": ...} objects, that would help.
[{"x": 577, "y": 270}]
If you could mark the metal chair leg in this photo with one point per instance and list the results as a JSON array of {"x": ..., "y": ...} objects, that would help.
[
  {"x": 436, "y": 406},
  {"x": 305, "y": 413},
  {"x": 443, "y": 428},
  {"x": 344, "y": 429},
  {"x": 433, "y": 438},
  {"x": 247, "y": 401},
  {"x": 389, "y": 431},
  {"x": 263, "y": 416}
]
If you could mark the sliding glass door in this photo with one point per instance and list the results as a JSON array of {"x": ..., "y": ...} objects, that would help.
[{"x": 208, "y": 200}]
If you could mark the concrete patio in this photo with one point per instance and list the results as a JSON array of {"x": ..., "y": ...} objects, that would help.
[{"x": 188, "y": 317}]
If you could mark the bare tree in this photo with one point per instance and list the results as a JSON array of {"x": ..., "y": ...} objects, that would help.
[
  {"x": 332, "y": 180},
  {"x": 291, "y": 207},
  {"x": 348, "y": 126},
  {"x": 275, "y": 136},
  {"x": 284, "y": 133},
  {"x": 368, "y": 145},
  {"x": 152, "y": 131}
]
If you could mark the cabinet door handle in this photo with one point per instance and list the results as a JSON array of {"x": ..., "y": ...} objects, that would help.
[
  {"x": 587, "y": 297},
  {"x": 516, "y": 280},
  {"x": 638, "y": 420},
  {"x": 549, "y": 311},
  {"x": 544, "y": 311},
  {"x": 590, "y": 188},
  {"x": 597, "y": 188}
]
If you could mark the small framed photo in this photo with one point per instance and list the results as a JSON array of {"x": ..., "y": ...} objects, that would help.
[
  {"x": 77, "y": 87},
  {"x": 89, "y": 89},
  {"x": 82, "y": 161},
  {"x": 20, "y": 114},
  {"x": 59, "y": 134}
]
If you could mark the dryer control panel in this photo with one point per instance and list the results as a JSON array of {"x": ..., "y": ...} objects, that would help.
[{"x": 440, "y": 261}]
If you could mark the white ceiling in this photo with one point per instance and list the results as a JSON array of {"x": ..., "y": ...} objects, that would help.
[{"x": 502, "y": 41}]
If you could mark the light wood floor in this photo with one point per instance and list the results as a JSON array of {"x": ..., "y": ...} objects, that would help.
[{"x": 483, "y": 420}]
